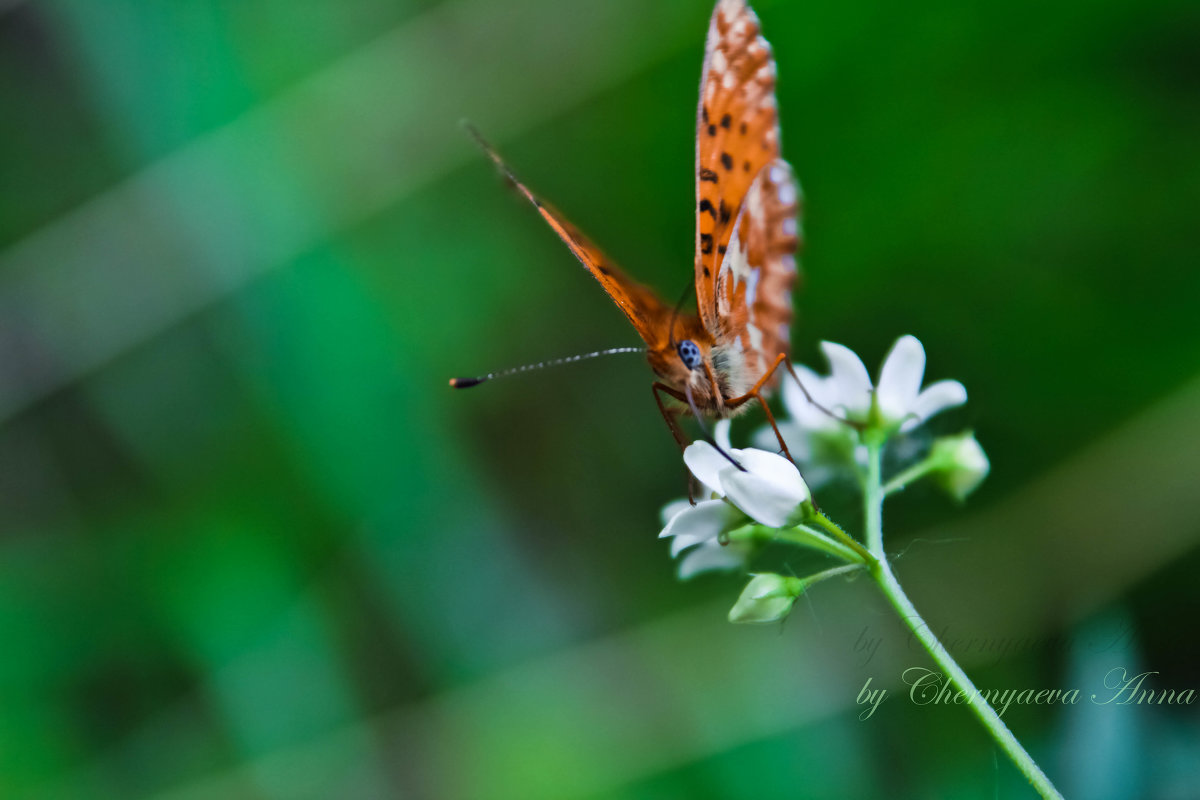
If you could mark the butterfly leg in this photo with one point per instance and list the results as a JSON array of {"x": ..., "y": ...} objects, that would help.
[
  {"x": 755, "y": 393},
  {"x": 781, "y": 359},
  {"x": 858, "y": 426},
  {"x": 670, "y": 416}
]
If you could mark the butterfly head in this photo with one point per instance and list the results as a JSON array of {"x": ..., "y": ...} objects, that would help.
[{"x": 690, "y": 363}]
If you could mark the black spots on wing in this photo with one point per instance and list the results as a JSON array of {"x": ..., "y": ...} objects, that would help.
[
  {"x": 726, "y": 121},
  {"x": 706, "y": 205},
  {"x": 704, "y": 113},
  {"x": 726, "y": 161},
  {"x": 742, "y": 129},
  {"x": 745, "y": 166},
  {"x": 712, "y": 130},
  {"x": 706, "y": 243},
  {"x": 707, "y": 274},
  {"x": 725, "y": 213},
  {"x": 708, "y": 175},
  {"x": 721, "y": 249},
  {"x": 603, "y": 269}
]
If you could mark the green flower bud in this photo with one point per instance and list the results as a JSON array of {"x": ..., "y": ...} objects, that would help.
[
  {"x": 961, "y": 464},
  {"x": 767, "y": 597}
]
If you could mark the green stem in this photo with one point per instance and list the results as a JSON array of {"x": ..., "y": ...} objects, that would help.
[
  {"x": 873, "y": 500},
  {"x": 910, "y": 475},
  {"x": 808, "y": 537},
  {"x": 881, "y": 571},
  {"x": 830, "y": 573},
  {"x": 843, "y": 537}
]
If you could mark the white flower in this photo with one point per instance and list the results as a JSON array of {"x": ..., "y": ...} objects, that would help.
[
  {"x": 847, "y": 392},
  {"x": 767, "y": 597},
  {"x": 964, "y": 465},
  {"x": 768, "y": 488}
]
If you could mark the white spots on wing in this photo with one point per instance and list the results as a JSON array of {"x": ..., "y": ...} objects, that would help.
[
  {"x": 728, "y": 80},
  {"x": 778, "y": 174},
  {"x": 752, "y": 286},
  {"x": 755, "y": 336},
  {"x": 789, "y": 226},
  {"x": 787, "y": 193},
  {"x": 759, "y": 49},
  {"x": 754, "y": 206},
  {"x": 785, "y": 330},
  {"x": 735, "y": 260},
  {"x": 788, "y": 262},
  {"x": 719, "y": 62}
]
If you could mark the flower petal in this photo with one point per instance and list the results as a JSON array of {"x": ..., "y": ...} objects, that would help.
[
  {"x": 683, "y": 541},
  {"x": 672, "y": 508},
  {"x": 934, "y": 398},
  {"x": 796, "y": 402},
  {"x": 709, "y": 557},
  {"x": 721, "y": 434},
  {"x": 770, "y": 488},
  {"x": 849, "y": 380},
  {"x": 795, "y": 434},
  {"x": 697, "y": 523},
  {"x": 706, "y": 464},
  {"x": 900, "y": 377}
]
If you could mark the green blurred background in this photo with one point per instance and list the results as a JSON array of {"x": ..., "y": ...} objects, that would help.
[{"x": 251, "y": 545}]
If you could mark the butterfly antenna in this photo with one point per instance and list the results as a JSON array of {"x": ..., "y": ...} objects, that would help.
[
  {"x": 467, "y": 383},
  {"x": 495, "y": 158},
  {"x": 708, "y": 437}
]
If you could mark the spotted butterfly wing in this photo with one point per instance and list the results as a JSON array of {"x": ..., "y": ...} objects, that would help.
[
  {"x": 746, "y": 197},
  {"x": 640, "y": 304}
]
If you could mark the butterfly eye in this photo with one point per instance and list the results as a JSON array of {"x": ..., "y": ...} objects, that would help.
[{"x": 689, "y": 354}]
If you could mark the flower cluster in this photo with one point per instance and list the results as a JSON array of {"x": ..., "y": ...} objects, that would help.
[
  {"x": 827, "y": 412},
  {"x": 836, "y": 423},
  {"x": 753, "y": 496}
]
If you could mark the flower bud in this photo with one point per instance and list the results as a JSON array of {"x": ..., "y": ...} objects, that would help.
[
  {"x": 767, "y": 597},
  {"x": 962, "y": 464}
]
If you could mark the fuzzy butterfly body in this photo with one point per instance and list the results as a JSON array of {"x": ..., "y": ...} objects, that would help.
[{"x": 747, "y": 205}]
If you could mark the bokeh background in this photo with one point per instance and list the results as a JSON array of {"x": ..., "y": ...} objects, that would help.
[{"x": 251, "y": 545}]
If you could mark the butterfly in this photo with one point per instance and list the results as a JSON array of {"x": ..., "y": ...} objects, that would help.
[{"x": 717, "y": 360}]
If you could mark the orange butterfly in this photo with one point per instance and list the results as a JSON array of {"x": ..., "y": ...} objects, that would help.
[{"x": 747, "y": 201}]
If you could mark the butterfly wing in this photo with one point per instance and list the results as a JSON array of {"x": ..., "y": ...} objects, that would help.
[
  {"x": 737, "y": 136},
  {"x": 640, "y": 304},
  {"x": 755, "y": 279}
]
